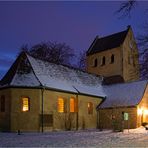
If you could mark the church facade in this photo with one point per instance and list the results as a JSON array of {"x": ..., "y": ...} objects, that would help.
[{"x": 36, "y": 95}]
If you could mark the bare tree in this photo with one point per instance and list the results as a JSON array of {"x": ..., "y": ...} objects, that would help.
[
  {"x": 125, "y": 11},
  {"x": 82, "y": 60},
  {"x": 126, "y": 8},
  {"x": 23, "y": 48},
  {"x": 143, "y": 44},
  {"x": 58, "y": 53}
]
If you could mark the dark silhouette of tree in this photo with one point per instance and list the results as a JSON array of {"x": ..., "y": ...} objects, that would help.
[
  {"x": 143, "y": 44},
  {"x": 82, "y": 60},
  {"x": 125, "y": 11},
  {"x": 126, "y": 8},
  {"x": 23, "y": 48},
  {"x": 54, "y": 52}
]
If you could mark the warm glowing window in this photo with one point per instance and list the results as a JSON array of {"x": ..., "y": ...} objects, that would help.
[
  {"x": 72, "y": 105},
  {"x": 90, "y": 108},
  {"x": 61, "y": 105},
  {"x": 25, "y": 104}
]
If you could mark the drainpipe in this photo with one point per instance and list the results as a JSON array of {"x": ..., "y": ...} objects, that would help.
[
  {"x": 77, "y": 115},
  {"x": 99, "y": 123},
  {"x": 97, "y": 118},
  {"x": 42, "y": 109}
]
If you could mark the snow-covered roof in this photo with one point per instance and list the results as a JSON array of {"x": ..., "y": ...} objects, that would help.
[
  {"x": 125, "y": 94},
  {"x": 64, "y": 78},
  {"x": 39, "y": 73},
  {"x": 24, "y": 80},
  {"x": 54, "y": 76}
]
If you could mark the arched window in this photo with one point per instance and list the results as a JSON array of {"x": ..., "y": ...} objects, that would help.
[
  {"x": 90, "y": 108},
  {"x": 72, "y": 105},
  {"x": 95, "y": 63},
  {"x": 112, "y": 59},
  {"x": 60, "y": 105},
  {"x": 25, "y": 104},
  {"x": 103, "y": 61}
]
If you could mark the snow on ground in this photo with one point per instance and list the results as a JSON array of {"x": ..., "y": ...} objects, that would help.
[{"x": 87, "y": 138}]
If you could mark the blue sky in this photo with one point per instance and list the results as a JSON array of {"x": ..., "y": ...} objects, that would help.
[{"x": 75, "y": 23}]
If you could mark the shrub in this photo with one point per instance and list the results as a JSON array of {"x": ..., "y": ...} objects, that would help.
[{"x": 144, "y": 124}]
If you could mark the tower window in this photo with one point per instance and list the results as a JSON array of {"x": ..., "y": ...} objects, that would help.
[
  {"x": 112, "y": 59},
  {"x": 95, "y": 63},
  {"x": 25, "y": 104},
  {"x": 103, "y": 61}
]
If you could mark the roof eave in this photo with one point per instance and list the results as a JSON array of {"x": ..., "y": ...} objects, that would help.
[
  {"x": 53, "y": 89},
  {"x": 128, "y": 106},
  {"x": 91, "y": 46}
]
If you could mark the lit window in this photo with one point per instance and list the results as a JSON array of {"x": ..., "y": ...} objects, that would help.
[
  {"x": 90, "y": 108},
  {"x": 72, "y": 105},
  {"x": 2, "y": 104},
  {"x": 25, "y": 104},
  {"x": 112, "y": 59},
  {"x": 60, "y": 105}
]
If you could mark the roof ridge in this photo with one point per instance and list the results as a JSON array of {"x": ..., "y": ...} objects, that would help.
[
  {"x": 33, "y": 69},
  {"x": 70, "y": 67},
  {"x": 94, "y": 41},
  {"x": 114, "y": 34},
  {"x": 108, "y": 42}
]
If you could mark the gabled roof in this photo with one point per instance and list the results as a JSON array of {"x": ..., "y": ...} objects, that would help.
[
  {"x": 42, "y": 74},
  {"x": 14, "y": 78},
  {"x": 107, "y": 42},
  {"x": 124, "y": 95},
  {"x": 52, "y": 76}
]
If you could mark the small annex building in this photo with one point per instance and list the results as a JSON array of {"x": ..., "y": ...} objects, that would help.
[
  {"x": 126, "y": 105},
  {"x": 37, "y": 95}
]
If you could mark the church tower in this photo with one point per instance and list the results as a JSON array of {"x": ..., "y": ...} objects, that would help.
[{"x": 115, "y": 57}]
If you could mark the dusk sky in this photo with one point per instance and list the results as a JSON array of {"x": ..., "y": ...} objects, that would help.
[{"x": 75, "y": 23}]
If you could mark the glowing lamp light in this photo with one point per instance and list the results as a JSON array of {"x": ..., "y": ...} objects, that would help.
[
  {"x": 140, "y": 111},
  {"x": 146, "y": 112}
]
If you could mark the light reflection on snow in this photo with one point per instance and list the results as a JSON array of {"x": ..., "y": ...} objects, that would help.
[{"x": 87, "y": 138}]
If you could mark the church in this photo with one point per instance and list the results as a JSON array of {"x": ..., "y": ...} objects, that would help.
[{"x": 36, "y": 95}]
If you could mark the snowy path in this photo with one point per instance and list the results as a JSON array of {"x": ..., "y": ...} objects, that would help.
[{"x": 93, "y": 138}]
